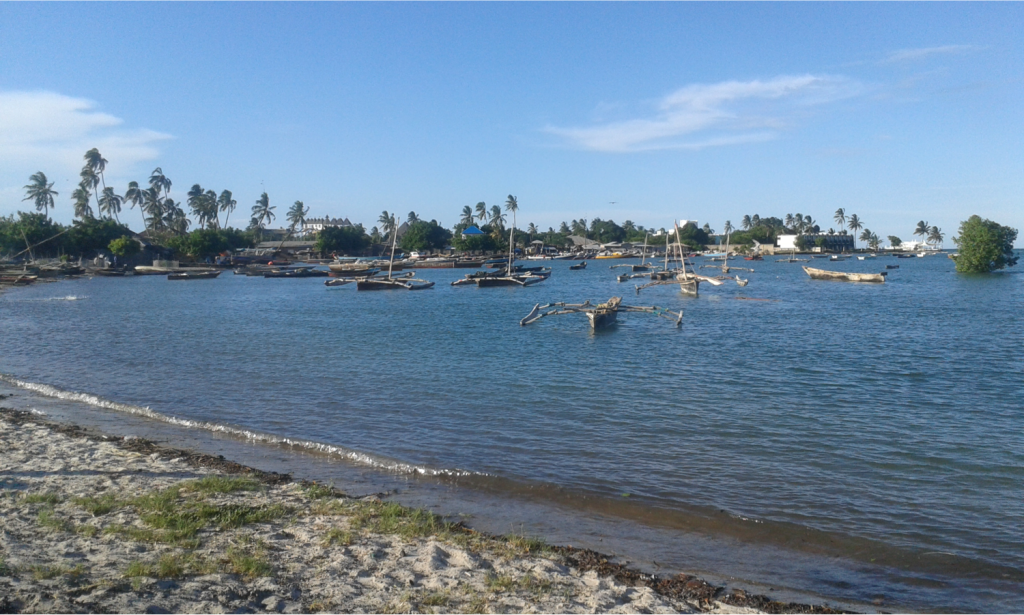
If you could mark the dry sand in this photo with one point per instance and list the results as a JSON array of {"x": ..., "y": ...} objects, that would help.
[{"x": 92, "y": 523}]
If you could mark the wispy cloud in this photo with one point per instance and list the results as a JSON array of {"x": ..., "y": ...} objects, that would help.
[
  {"x": 912, "y": 55},
  {"x": 47, "y": 130},
  {"x": 699, "y": 116}
]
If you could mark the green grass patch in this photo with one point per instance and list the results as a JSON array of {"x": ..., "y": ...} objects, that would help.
[
  {"x": 99, "y": 506},
  {"x": 223, "y": 484},
  {"x": 441, "y": 598},
  {"x": 50, "y": 499},
  {"x": 249, "y": 564},
  {"x": 87, "y": 530},
  {"x": 337, "y": 536},
  {"x": 41, "y": 573},
  {"x": 170, "y": 566},
  {"x": 331, "y": 508},
  {"x": 49, "y": 519},
  {"x": 316, "y": 491},
  {"x": 392, "y": 518},
  {"x": 138, "y": 569},
  {"x": 517, "y": 544},
  {"x": 500, "y": 583}
]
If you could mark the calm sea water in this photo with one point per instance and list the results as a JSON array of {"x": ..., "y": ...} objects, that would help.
[{"x": 874, "y": 434}]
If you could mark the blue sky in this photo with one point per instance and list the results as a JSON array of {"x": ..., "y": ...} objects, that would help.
[{"x": 647, "y": 112}]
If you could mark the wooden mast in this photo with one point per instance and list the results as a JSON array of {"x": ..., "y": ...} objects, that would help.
[{"x": 394, "y": 240}]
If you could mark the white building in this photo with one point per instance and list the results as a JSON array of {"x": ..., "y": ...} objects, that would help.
[{"x": 314, "y": 225}]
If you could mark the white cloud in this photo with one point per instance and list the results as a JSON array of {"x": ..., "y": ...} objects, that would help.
[
  {"x": 51, "y": 132},
  {"x": 708, "y": 115},
  {"x": 909, "y": 55}
]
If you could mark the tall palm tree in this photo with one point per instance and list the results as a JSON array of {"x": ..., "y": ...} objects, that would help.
[
  {"x": 297, "y": 215},
  {"x": 497, "y": 218},
  {"x": 840, "y": 217},
  {"x": 153, "y": 205},
  {"x": 512, "y": 204},
  {"x": 935, "y": 236},
  {"x": 175, "y": 218},
  {"x": 564, "y": 228},
  {"x": 210, "y": 209},
  {"x": 262, "y": 212},
  {"x": 196, "y": 196},
  {"x": 755, "y": 220},
  {"x": 532, "y": 230},
  {"x": 789, "y": 221},
  {"x": 81, "y": 197},
  {"x": 727, "y": 228},
  {"x": 158, "y": 180},
  {"x": 866, "y": 236},
  {"x": 746, "y": 223},
  {"x": 90, "y": 181},
  {"x": 95, "y": 161},
  {"x": 707, "y": 229},
  {"x": 375, "y": 235},
  {"x": 40, "y": 192},
  {"x": 110, "y": 204},
  {"x": 226, "y": 203},
  {"x": 874, "y": 241},
  {"x": 922, "y": 229},
  {"x": 412, "y": 217},
  {"x": 808, "y": 223},
  {"x": 854, "y": 224},
  {"x": 628, "y": 226},
  {"x": 481, "y": 211},
  {"x": 387, "y": 222},
  {"x": 136, "y": 196},
  {"x": 467, "y": 216}
]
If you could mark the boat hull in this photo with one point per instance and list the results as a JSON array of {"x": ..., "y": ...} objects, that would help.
[{"x": 838, "y": 276}]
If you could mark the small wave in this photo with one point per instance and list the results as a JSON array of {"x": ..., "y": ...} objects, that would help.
[
  {"x": 65, "y": 298},
  {"x": 252, "y": 436}
]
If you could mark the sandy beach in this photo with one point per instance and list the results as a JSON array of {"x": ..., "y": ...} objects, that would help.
[{"x": 96, "y": 523}]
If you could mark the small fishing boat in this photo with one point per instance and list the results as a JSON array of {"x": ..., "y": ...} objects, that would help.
[
  {"x": 578, "y": 266},
  {"x": 109, "y": 272},
  {"x": 822, "y": 274},
  {"x": 338, "y": 281},
  {"x": 194, "y": 275},
  {"x": 755, "y": 257},
  {"x": 346, "y": 270},
  {"x": 393, "y": 282},
  {"x": 297, "y": 272},
  {"x": 892, "y": 266},
  {"x": 22, "y": 279},
  {"x": 741, "y": 281},
  {"x": 601, "y": 315}
]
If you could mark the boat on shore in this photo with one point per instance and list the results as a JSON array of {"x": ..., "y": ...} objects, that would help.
[
  {"x": 110, "y": 272},
  {"x": 839, "y": 276}
]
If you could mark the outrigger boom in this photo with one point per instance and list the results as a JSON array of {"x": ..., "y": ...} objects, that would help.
[{"x": 600, "y": 315}]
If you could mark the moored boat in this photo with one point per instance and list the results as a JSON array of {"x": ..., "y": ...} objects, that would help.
[
  {"x": 206, "y": 274},
  {"x": 839, "y": 276}
]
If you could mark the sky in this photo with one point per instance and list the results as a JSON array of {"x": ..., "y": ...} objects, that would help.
[{"x": 648, "y": 112}]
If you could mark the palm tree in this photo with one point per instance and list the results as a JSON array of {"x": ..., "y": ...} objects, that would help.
[
  {"x": 874, "y": 242},
  {"x": 808, "y": 223},
  {"x": 922, "y": 229},
  {"x": 865, "y": 236},
  {"x": 497, "y": 218},
  {"x": 227, "y": 204},
  {"x": 789, "y": 221},
  {"x": 755, "y": 220},
  {"x": 481, "y": 211},
  {"x": 564, "y": 228},
  {"x": 40, "y": 192},
  {"x": 83, "y": 209},
  {"x": 111, "y": 203},
  {"x": 532, "y": 230},
  {"x": 196, "y": 198},
  {"x": 387, "y": 222},
  {"x": 136, "y": 196},
  {"x": 935, "y": 236},
  {"x": 467, "y": 216},
  {"x": 512, "y": 204},
  {"x": 297, "y": 215},
  {"x": 840, "y": 217},
  {"x": 95, "y": 161},
  {"x": 854, "y": 224},
  {"x": 727, "y": 228},
  {"x": 210, "y": 209},
  {"x": 262, "y": 212},
  {"x": 412, "y": 217},
  {"x": 90, "y": 180},
  {"x": 175, "y": 218},
  {"x": 158, "y": 180},
  {"x": 154, "y": 207},
  {"x": 746, "y": 223},
  {"x": 707, "y": 229}
]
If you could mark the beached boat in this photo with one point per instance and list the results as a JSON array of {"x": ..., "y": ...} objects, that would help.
[
  {"x": 601, "y": 315},
  {"x": 194, "y": 275},
  {"x": 839, "y": 276},
  {"x": 18, "y": 279},
  {"x": 110, "y": 272}
]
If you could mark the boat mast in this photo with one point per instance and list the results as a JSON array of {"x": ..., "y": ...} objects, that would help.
[
  {"x": 725, "y": 265},
  {"x": 394, "y": 240},
  {"x": 511, "y": 243},
  {"x": 643, "y": 257}
]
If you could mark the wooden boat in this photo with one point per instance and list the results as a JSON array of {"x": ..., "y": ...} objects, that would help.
[
  {"x": 346, "y": 270},
  {"x": 821, "y": 274},
  {"x": 194, "y": 275},
  {"x": 611, "y": 255},
  {"x": 600, "y": 316},
  {"x": 338, "y": 281},
  {"x": 298, "y": 272},
  {"x": 578, "y": 266},
  {"x": 21, "y": 279},
  {"x": 756, "y": 257},
  {"x": 392, "y": 282},
  {"x": 507, "y": 274},
  {"x": 110, "y": 272},
  {"x": 892, "y": 266},
  {"x": 689, "y": 281},
  {"x": 516, "y": 279}
]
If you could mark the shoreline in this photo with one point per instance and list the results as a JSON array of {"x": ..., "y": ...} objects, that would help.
[{"x": 322, "y": 549}]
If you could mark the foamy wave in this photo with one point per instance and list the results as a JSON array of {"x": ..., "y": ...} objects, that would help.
[
  {"x": 253, "y": 436},
  {"x": 66, "y": 298}
]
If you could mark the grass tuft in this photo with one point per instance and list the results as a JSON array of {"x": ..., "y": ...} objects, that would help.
[
  {"x": 339, "y": 537},
  {"x": 87, "y": 530},
  {"x": 50, "y": 499},
  {"x": 441, "y": 598},
  {"x": 316, "y": 491},
  {"x": 48, "y": 519},
  {"x": 500, "y": 583},
  {"x": 392, "y": 518},
  {"x": 138, "y": 569},
  {"x": 99, "y": 506},
  {"x": 223, "y": 484},
  {"x": 249, "y": 564},
  {"x": 41, "y": 573}
]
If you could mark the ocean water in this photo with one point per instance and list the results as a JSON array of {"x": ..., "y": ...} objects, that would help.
[{"x": 862, "y": 444}]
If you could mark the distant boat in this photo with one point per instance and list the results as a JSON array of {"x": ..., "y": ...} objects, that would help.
[
  {"x": 755, "y": 257},
  {"x": 578, "y": 266},
  {"x": 193, "y": 275},
  {"x": 821, "y": 274},
  {"x": 391, "y": 282},
  {"x": 892, "y": 266}
]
